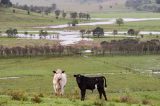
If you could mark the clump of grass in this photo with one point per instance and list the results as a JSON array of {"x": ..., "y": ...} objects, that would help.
[
  {"x": 146, "y": 102},
  {"x": 124, "y": 99},
  {"x": 128, "y": 99},
  {"x": 36, "y": 99},
  {"x": 41, "y": 95},
  {"x": 18, "y": 95},
  {"x": 74, "y": 94},
  {"x": 99, "y": 103}
]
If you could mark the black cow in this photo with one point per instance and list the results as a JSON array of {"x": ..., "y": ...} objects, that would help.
[{"x": 91, "y": 83}]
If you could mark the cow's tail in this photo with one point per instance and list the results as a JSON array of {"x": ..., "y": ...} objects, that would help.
[{"x": 105, "y": 82}]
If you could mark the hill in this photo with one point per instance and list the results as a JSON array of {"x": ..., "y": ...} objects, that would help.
[
  {"x": 77, "y": 5},
  {"x": 21, "y": 20}
]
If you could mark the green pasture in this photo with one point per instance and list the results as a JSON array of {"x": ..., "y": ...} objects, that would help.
[
  {"x": 22, "y": 21},
  {"x": 109, "y": 39},
  {"x": 125, "y": 75},
  {"x": 142, "y": 26},
  {"x": 125, "y": 14},
  {"x": 6, "y": 101},
  {"x": 12, "y": 42}
]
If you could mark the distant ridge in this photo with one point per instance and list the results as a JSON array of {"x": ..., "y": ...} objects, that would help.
[{"x": 77, "y": 5}]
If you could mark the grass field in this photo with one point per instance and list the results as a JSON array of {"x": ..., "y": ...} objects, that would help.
[
  {"x": 127, "y": 14},
  {"x": 142, "y": 26},
  {"x": 22, "y": 21},
  {"x": 126, "y": 75},
  {"x": 145, "y": 38},
  {"x": 12, "y": 42},
  {"x": 121, "y": 72}
]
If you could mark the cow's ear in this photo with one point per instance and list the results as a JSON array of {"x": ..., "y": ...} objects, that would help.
[
  {"x": 54, "y": 71},
  {"x": 75, "y": 75},
  {"x": 63, "y": 71}
]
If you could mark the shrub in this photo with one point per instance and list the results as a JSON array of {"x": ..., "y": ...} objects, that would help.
[
  {"x": 18, "y": 95},
  {"x": 124, "y": 99},
  {"x": 36, "y": 99},
  {"x": 128, "y": 99},
  {"x": 146, "y": 102}
]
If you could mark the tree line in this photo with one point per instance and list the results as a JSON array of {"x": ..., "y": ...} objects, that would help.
[
  {"x": 144, "y": 5},
  {"x": 37, "y": 9},
  {"x": 119, "y": 47},
  {"x": 5, "y": 3}
]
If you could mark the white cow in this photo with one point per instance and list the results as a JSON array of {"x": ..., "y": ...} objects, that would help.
[{"x": 59, "y": 81}]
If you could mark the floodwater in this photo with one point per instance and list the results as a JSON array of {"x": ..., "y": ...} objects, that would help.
[
  {"x": 102, "y": 21},
  {"x": 65, "y": 37},
  {"x": 72, "y": 37}
]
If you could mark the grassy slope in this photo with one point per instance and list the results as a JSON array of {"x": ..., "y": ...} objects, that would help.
[
  {"x": 36, "y": 74},
  {"x": 128, "y": 14},
  {"x": 22, "y": 20},
  {"x": 77, "y": 5}
]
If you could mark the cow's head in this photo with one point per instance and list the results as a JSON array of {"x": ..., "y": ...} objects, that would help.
[
  {"x": 58, "y": 74},
  {"x": 78, "y": 78}
]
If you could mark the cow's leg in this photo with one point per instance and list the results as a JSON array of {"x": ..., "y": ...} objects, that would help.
[
  {"x": 100, "y": 93},
  {"x": 83, "y": 92},
  {"x": 104, "y": 94},
  {"x": 62, "y": 91},
  {"x": 55, "y": 90}
]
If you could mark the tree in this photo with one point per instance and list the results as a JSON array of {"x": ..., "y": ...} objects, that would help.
[
  {"x": 74, "y": 15},
  {"x": 74, "y": 22},
  {"x": 115, "y": 32},
  {"x": 26, "y": 33},
  {"x": 7, "y": 3},
  {"x": 57, "y": 13},
  {"x": 98, "y": 32},
  {"x": 119, "y": 21},
  {"x": 43, "y": 33},
  {"x": 82, "y": 31},
  {"x": 11, "y": 32},
  {"x": 131, "y": 32},
  {"x": 28, "y": 12},
  {"x": 104, "y": 45},
  {"x": 0, "y": 33},
  {"x": 64, "y": 14},
  {"x": 14, "y": 11},
  {"x": 88, "y": 16},
  {"x": 158, "y": 1},
  {"x": 136, "y": 3},
  {"x": 54, "y": 6}
]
